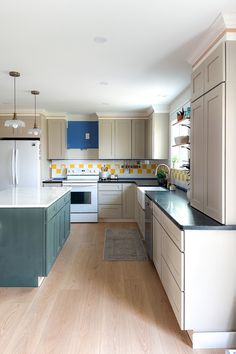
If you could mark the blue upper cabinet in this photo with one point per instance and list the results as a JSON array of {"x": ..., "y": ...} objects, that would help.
[{"x": 82, "y": 135}]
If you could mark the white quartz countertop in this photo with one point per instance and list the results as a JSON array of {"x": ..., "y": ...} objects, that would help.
[{"x": 42, "y": 197}]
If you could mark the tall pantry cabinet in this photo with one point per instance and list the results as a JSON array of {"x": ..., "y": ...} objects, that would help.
[{"x": 213, "y": 134}]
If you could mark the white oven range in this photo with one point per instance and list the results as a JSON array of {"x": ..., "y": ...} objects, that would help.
[{"x": 84, "y": 194}]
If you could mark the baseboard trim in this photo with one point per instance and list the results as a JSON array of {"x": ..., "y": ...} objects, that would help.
[{"x": 213, "y": 340}]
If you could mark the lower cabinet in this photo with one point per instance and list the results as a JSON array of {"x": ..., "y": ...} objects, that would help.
[
  {"x": 116, "y": 200},
  {"x": 57, "y": 231},
  {"x": 192, "y": 265}
]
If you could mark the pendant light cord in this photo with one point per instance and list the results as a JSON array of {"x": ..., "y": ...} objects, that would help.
[{"x": 14, "y": 115}]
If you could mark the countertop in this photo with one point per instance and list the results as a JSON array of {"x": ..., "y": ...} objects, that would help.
[
  {"x": 175, "y": 205},
  {"x": 138, "y": 181},
  {"x": 17, "y": 197}
]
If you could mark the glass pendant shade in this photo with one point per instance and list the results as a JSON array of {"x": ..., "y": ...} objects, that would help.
[
  {"x": 14, "y": 122},
  {"x": 35, "y": 130}
]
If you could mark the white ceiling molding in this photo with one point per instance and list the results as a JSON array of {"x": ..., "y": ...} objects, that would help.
[
  {"x": 123, "y": 115},
  {"x": 213, "y": 35}
]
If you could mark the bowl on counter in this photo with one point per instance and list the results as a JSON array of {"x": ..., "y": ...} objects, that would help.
[{"x": 104, "y": 174}]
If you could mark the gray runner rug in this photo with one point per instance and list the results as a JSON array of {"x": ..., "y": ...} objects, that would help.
[{"x": 124, "y": 245}]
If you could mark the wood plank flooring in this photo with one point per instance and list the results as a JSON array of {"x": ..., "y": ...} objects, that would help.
[{"x": 90, "y": 306}]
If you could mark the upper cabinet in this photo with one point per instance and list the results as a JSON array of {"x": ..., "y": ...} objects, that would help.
[
  {"x": 82, "y": 135},
  {"x": 6, "y": 132},
  {"x": 157, "y": 136},
  {"x": 121, "y": 138},
  {"x": 213, "y": 127},
  {"x": 138, "y": 139},
  {"x": 209, "y": 74},
  {"x": 57, "y": 138},
  {"x": 106, "y": 138}
]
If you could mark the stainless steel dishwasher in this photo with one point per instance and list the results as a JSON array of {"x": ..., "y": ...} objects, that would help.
[{"x": 148, "y": 227}]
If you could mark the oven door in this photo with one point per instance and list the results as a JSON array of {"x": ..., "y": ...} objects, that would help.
[{"x": 84, "y": 198}]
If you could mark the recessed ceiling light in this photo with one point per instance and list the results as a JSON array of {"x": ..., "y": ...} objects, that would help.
[
  {"x": 161, "y": 96},
  {"x": 103, "y": 83},
  {"x": 100, "y": 39}
]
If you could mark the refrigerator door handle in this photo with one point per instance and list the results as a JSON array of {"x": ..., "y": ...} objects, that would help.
[
  {"x": 17, "y": 153},
  {"x": 12, "y": 166}
]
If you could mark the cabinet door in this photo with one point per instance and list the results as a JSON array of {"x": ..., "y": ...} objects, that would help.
[
  {"x": 123, "y": 138},
  {"x": 157, "y": 245},
  {"x": 148, "y": 138},
  {"x": 197, "y": 154},
  {"x": 128, "y": 201},
  {"x": 50, "y": 244},
  {"x": 56, "y": 138},
  {"x": 138, "y": 139},
  {"x": 197, "y": 82},
  {"x": 214, "y": 153},
  {"x": 106, "y": 138},
  {"x": 67, "y": 220},
  {"x": 215, "y": 68},
  {"x": 160, "y": 126},
  {"x": 29, "y": 124}
]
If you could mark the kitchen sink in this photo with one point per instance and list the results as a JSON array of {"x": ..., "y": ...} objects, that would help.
[{"x": 141, "y": 193}]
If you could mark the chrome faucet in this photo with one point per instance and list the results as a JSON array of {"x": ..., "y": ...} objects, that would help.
[{"x": 168, "y": 173}]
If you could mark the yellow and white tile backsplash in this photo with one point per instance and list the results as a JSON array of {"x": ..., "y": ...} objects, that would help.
[
  {"x": 180, "y": 178},
  {"x": 121, "y": 168}
]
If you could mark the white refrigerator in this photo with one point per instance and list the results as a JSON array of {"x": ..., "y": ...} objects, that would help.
[{"x": 19, "y": 163}]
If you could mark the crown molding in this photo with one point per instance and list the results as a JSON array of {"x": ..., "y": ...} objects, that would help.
[
  {"x": 224, "y": 23},
  {"x": 161, "y": 108},
  {"x": 129, "y": 114}
]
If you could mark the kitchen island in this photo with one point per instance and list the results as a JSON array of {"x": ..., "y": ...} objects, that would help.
[{"x": 34, "y": 224}]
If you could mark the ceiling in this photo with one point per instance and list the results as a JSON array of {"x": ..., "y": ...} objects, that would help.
[{"x": 56, "y": 46}]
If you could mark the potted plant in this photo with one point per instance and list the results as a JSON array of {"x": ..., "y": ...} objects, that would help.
[
  {"x": 175, "y": 159},
  {"x": 161, "y": 177},
  {"x": 180, "y": 115}
]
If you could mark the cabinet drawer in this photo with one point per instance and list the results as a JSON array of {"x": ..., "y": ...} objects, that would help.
[
  {"x": 157, "y": 213},
  {"x": 175, "y": 295},
  {"x": 174, "y": 259},
  {"x": 110, "y": 197},
  {"x": 110, "y": 187},
  {"x": 51, "y": 211},
  {"x": 110, "y": 211},
  {"x": 173, "y": 231}
]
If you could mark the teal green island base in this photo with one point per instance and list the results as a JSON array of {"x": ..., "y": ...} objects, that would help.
[{"x": 30, "y": 240}]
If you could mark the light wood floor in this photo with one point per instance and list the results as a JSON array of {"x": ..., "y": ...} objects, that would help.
[{"x": 90, "y": 306}]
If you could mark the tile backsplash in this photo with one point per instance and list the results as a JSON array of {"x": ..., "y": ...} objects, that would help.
[
  {"x": 180, "y": 178},
  {"x": 122, "y": 168}
]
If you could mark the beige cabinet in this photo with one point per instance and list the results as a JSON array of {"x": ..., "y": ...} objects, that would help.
[
  {"x": 57, "y": 138},
  {"x": 116, "y": 201},
  {"x": 213, "y": 138},
  {"x": 197, "y": 82},
  {"x": 157, "y": 136},
  {"x": 138, "y": 139},
  {"x": 128, "y": 200},
  {"x": 106, "y": 138},
  {"x": 122, "y": 138},
  {"x": 6, "y": 132},
  {"x": 197, "y": 154},
  {"x": 214, "y": 158},
  {"x": 209, "y": 74}
]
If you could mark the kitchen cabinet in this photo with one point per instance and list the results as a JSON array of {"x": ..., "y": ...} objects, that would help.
[
  {"x": 82, "y": 135},
  {"x": 209, "y": 74},
  {"x": 157, "y": 136},
  {"x": 128, "y": 200},
  {"x": 106, "y": 138},
  {"x": 116, "y": 201},
  {"x": 138, "y": 139},
  {"x": 57, "y": 129},
  {"x": 6, "y": 132},
  {"x": 157, "y": 244},
  {"x": 213, "y": 140},
  {"x": 30, "y": 245},
  {"x": 123, "y": 138}
]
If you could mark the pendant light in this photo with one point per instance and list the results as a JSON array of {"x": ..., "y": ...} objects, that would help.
[
  {"x": 35, "y": 130},
  {"x": 14, "y": 122}
]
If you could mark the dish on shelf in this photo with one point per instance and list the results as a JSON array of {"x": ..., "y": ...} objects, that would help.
[{"x": 183, "y": 139}]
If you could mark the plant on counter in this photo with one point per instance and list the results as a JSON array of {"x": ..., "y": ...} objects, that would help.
[{"x": 161, "y": 177}]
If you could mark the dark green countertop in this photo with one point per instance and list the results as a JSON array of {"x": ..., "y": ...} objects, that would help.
[
  {"x": 138, "y": 181},
  {"x": 175, "y": 205}
]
